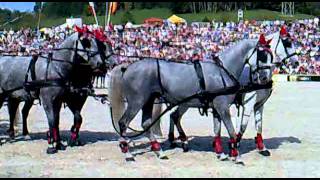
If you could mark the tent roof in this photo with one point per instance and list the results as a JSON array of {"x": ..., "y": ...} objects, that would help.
[
  {"x": 153, "y": 20},
  {"x": 176, "y": 19}
]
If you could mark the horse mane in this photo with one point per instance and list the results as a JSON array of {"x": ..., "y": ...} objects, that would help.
[
  {"x": 228, "y": 48},
  {"x": 73, "y": 37}
]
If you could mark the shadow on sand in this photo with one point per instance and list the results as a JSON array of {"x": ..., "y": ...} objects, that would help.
[
  {"x": 197, "y": 143},
  {"x": 204, "y": 143}
]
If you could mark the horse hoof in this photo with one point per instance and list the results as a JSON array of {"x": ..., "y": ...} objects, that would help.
[
  {"x": 163, "y": 157},
  {"x": 26, "y": 137},
  {"x": 265, "y": 153},
  {"x": 173, "y": 145},
  {"x": 73, "y": 143},
  {"x": 61, "y": 147},
  {"x": 11, "y": 134},
  {"x": 130, "y": 159},
  {"x": 51, "y": 150},
  {"x": 185, "y": 147},
  {"x": 239, "y": 162},
  {"x": 222, "y": 157}
]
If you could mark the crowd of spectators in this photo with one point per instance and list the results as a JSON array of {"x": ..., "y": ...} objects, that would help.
[{"x": 197, "y": 41}]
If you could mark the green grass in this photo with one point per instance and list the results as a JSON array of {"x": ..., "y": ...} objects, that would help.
[{"x": 140, "y": 15}]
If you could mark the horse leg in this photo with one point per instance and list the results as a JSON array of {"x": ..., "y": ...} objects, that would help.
[
  {"x": 52, "y": 108},
  {"x": 259, "y": 140},
  {"x": 176, "y": 118},
  {"x": 75, "y": 104},
  {"x": 222, "y": 108},
  {"x": 124, "y": 121},
  {"x": 12, "y": 108},
  {"x": 96, "y": 80},
  {"x": 248, "y": 105},
  {"x": 25, "y": 112},
  {"x": 217, "y": 142},
  {"x": 103, "y": 82},
  {"x": 146, "y": 122}
]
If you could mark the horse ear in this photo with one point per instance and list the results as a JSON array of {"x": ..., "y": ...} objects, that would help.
[
  {"x": 283, "y": 31},
  {"x": 262, "y": 39},
  {"x": 269, "y": 41}
]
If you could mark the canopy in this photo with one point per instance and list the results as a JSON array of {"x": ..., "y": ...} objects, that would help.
[
  {"x": 176, "y": 20},
  {"x": 128, "y": 25},
  {"x": 153, "y": 20},
  {"x": 44, "y": 29}
]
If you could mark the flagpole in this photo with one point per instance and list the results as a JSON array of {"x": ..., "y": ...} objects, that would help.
[
  {"x": 94, "y": 12},
  {"x": 109, "y": 13},
  {"x": 106, "y": 16}
]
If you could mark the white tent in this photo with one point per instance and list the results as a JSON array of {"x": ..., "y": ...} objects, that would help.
[{"x": 128, "y": 25}]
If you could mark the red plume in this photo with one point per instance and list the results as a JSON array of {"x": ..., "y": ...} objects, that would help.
[
  {"x": 79, "y": 30},
  {"x": 283, "y": 31},
  {"x": 99, "y": 35},
  {"x": 262, "y": 40}
]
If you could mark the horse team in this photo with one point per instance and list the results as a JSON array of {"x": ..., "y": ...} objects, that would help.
[{"x": 241, "y": 75}]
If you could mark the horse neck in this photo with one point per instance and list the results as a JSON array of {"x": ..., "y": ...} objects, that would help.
[
  {"x": 68, "y": 53},
  {"x": 234, "y": 58},
  {"x": 275, "y": 38}
]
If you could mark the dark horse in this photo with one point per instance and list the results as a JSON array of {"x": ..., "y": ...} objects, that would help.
[{"x": 54, "y": 80}]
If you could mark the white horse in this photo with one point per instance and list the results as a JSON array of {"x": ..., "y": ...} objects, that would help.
[{"x": 282, "y": 49}]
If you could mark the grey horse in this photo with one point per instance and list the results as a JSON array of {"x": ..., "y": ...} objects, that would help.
[
  {"x": 284, "y": 50},
  {"x": 252, "y": 101},
  {"x": 74, "y": 100},
  {"x": 143, "y": 81},
  {"x": 53, "y": 78}
]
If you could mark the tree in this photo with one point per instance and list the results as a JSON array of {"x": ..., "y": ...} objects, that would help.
[
  {"x": 127, "y": 16},
  {"x": 37, "y": 7}
]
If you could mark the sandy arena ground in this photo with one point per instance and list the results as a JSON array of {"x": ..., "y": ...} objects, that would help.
[{"x": 291, "y": 132}]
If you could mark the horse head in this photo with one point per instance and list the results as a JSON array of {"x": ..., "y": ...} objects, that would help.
[
  {"x": 261, "y": 62},
  {"x": 105, "y": 47},
  {"x": 87, "y": 49},
  {"x": 283, "y": 48}
]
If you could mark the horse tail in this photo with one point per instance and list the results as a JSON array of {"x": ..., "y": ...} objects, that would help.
[
  {"x": 116, "y": 96},
  {"x": 117, "y": 100}
]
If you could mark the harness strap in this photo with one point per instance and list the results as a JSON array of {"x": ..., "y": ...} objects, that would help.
[
  {"x": 199, "y": 72},
  {"x": 204, "y": 100},
  {"x": 163, "y": 90}
]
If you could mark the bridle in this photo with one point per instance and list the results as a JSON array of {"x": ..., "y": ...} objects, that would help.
[
  {"x": 286, "y": 44},
  {"x": 254, "y": 70}
]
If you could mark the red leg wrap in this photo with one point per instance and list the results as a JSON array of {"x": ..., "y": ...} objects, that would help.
[
  {"x": 124, "y": 146},
  {"x": 218, "y": 145},
  {"x": 74, "y": 135},
  {"x": 55, "y": 134},
  {"x": 259, "y": 142},
  {"x": 233, "y": 148},
  {"x": 155, "y": 146},
  {"x": 239, "y": 137}
]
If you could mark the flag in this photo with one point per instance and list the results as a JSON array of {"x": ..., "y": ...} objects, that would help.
[{"x": 114, "y": 6}]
